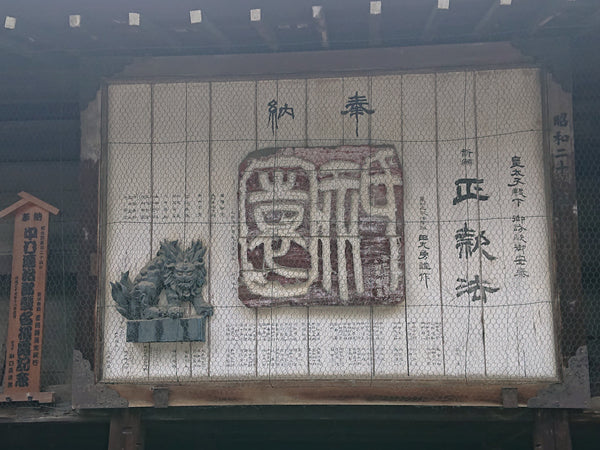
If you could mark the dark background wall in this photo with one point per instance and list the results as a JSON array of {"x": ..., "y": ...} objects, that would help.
[
  {"x": 40, "y": 103},
  {"x": 39, "y": 154},
  {"x": 586, "y": 123}
]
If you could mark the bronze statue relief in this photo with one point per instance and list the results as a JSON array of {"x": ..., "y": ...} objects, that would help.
[{"x": 156, "y": 301}]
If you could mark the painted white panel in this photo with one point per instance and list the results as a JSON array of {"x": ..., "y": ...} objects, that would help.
[
  {"x": 232, "y": 333},
  {"x": 325, "y": 102},
  {"x": 197, "y": 226},
  {"x": 389, "y": 322},
  {"x": 129, "y": 113},
  {"x": 340, "y": 342},
  {"x": 128, "y": 246},
  {"x": 169, "y": 113},
  {"x": 423, "y": 305},
  {"x": 283, "y": 343},
  {"x": 458, "y": 135}
]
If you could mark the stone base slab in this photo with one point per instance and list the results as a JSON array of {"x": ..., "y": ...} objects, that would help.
[{"x": 167, "y": 330}]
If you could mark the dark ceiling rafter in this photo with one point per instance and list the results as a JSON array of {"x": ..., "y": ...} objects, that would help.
[
  {"x": 592, "y": 23},
  {"x": 318, "y": 15},
  {"x": 483, "y": 26},
  {"x": 553, "y": 10},
  {"x": 375, "y": 36},
  {"x": 264, "y": 31},
  {"x": 301, "y": 25},
  {"x": 147, "y": 26},
  {"x": 435, "y": 17},
  {"x": 217, "y": 36}
]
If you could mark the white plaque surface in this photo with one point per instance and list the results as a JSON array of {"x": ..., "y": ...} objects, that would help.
[{"x": 472, "y": 258}]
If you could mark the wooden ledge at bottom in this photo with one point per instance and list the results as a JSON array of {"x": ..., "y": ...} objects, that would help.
[
  {"x": 257, "y": 393},
  {"x": 29, "y": 397}
]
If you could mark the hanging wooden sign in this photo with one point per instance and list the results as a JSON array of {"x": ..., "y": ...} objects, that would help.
[{"x": 27, "y": 295}]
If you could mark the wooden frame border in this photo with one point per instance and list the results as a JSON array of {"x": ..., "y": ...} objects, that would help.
[{"x": 373, "y": 62}]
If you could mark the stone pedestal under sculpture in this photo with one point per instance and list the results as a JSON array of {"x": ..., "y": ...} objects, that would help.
[
  {"x": 192, "y": 329},
  {"x": 179, "y": 276}
]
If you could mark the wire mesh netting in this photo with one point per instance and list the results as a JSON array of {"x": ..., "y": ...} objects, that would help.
[
  {"x": 369, "y": 228},
  {"x": 586, "y": 104},
  {"x": 40, "y": 155},
  {"x": 384, "y": 227}
]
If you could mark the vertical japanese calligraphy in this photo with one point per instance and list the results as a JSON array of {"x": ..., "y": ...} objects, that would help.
[
  {"x": 560, "y": 145},
  {"x": 356, "y": 106},
  {"x": 276, "y": 113},
  {"x": 518, "y": 221},
  {"x": 424, "y": 248},
  {"x": 468, "y": 240},
  {"x": 25, "y": 328}
]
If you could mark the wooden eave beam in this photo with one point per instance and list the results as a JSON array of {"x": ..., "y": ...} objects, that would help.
[
  {"x": 321, "y": 25},
  {"x": 217, "y": 35},
  {"x": 432, "y": 22},
  {"x": 265, "y": 33},
  {"x": 486, "y": 21},
  {"x": 375, "y": 38},
  {"x": 11, "y": 41},
  {"x": 147, "y": 27},
  {"x": 594, "y": 19},
  {"x": 555, "y": 8}
]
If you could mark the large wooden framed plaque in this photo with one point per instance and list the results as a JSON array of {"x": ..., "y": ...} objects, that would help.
[{"x": 379, "y": 226}]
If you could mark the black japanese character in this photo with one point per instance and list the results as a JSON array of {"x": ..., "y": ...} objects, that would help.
[
  {"x": 522, "y": 273},
  {"x": 518, "y": 195},
  {"x": 519, "y": 228},
  {"x": 519, "y": 247},
  {"x": 29, "y": 247},
  {"x": 275, "y": 114},
  {"x": 23, "y": 365},
  {"x": 468, "y": 242},
  {"x": 516, "y": 162},
  {"x": 30, "y": 233},
  {"x": 22, "y": 379},
  {"x": 560, "y": 165},
  {"x": 466, "y": 159},
  {"x": 357, "y": 106},
  {"x": 424, "y": 277},
  {"x": 23, "y": 350},
  {"x": 28, "y": 261},
  {"x": 28, "y": 275},
  {"x": 468, "y": 182},
  {"x": 27, "y": 303},
  {"x": 25, "y": 333},
  {"x": 479, "y": 288},
  {"x": 285, "y": 110},
  {"x": 26, "y": 318},
  {"x": 27, "y": 288},
  {"x": 424, "y": 266},
  {"x": 559, "y": 138},
  {"x": 520, "y": 260},
  {"x": 560, "y": 120},
  {"x": 464, "y": 241}
]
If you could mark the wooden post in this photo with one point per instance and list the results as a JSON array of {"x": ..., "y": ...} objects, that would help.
[
  {"x": 568, "y": 275},
  {"x": 126, "y": 431},
  {"x": 27, "y": 295},
  {"x": 551, "y": 430}
]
